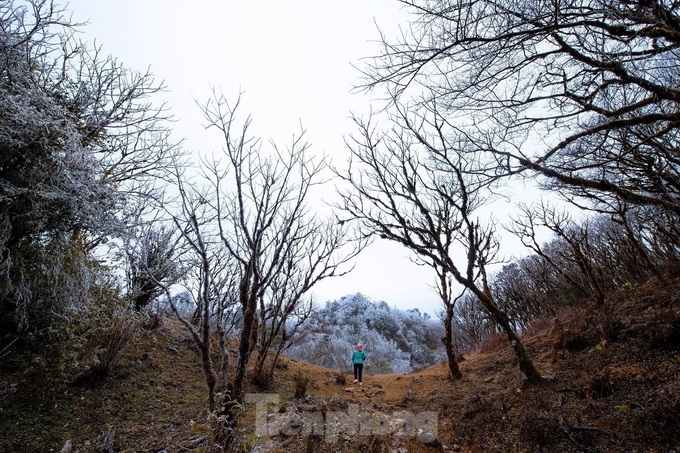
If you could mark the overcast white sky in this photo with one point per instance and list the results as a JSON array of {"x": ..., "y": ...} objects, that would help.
[{"x": 293, "y": 61}]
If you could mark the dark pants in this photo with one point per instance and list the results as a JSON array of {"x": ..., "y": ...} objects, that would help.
[{"x": 358, "y": 369}]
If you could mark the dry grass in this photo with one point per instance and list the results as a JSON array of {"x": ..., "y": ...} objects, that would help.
[{"x": 613, "y": 384}]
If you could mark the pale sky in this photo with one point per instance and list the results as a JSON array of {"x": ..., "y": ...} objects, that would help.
[{"x": 293, "y": 61}]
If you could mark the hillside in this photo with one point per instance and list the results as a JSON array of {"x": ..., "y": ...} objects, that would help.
[
  {"x": 612, "y": 384},
  {"x": 400, "y": 341}
]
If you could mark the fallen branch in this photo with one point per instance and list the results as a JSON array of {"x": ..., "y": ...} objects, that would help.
[{"x": 566, "y": 430}]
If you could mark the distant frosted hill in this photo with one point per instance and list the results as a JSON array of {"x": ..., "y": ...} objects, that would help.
[{"x": 395, "y": 341}]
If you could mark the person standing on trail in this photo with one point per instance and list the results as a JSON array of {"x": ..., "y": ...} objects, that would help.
[{"x": 358, "y": 357}]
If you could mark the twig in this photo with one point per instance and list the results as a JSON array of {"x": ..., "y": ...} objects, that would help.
[
  {"x": 591, "y": 428},
  {"x": 3, "y": 353}
]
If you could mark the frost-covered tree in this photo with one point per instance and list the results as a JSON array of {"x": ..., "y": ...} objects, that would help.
[
  {"x": 152, "y": 264},
  {"x": 78, "y": 138}
]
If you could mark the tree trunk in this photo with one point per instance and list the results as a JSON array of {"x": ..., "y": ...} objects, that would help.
[
  {"x": 209, "y": 372},
  {"x": 639, "y": 248},
  {"x": 501, "y": 318},
  {"x": 272, "y": 366},
  {"x": 206, "y": 358},
  {"x": 224, "y": 366},
  {"x": 587, "y": 269},
  {"x": 448, "y": 344},
  {"x": 244, "y": 349},
  {"x": 260, "y": 375}
]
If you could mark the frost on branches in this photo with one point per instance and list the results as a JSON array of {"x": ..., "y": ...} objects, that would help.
[
  {"x": 78, "y": 139},
  {"x": 396, "y": 341}
]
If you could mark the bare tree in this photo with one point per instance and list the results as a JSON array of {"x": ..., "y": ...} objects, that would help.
[
  {"x": 254, "y": 244},
  {"x": 264, "y": 223},
  {"x": 575, "y": 235},
  {"x": 282, "y": 311},
  {"x": 281, "y": 327},
  {"x": 472, "y": 323},
  {"x": 588, "y": 258},
  {"x": 417, "y": 187},
  {"x": 620, "y": 225},
  {"x": 582, "y": 92},
  {"x": 660, "y": 232},
  {"x": 521, "y": 295},
  {"x": 194, "y": 223}
]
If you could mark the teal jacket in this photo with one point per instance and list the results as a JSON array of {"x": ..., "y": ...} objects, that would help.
[{"x": 358, "y": 356}]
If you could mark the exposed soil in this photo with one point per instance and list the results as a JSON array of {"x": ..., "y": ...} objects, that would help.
[{"x": 612, "y": 385}]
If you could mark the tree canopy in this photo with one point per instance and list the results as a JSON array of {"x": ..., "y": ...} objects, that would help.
[{"x": 582, "y": 92}]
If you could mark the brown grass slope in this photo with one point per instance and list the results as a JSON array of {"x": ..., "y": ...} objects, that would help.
[{"x": 613, "y": 385}]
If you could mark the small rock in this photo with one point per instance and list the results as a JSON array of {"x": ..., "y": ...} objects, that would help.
[
  {"x": 68, "y": 446},
  {"x": 397, "y": 424},
  {"x": 426, "y": 437}
]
